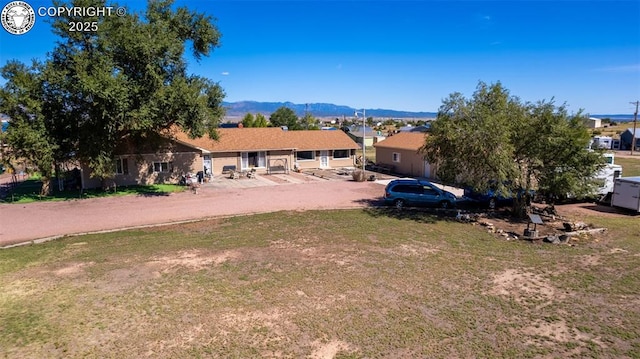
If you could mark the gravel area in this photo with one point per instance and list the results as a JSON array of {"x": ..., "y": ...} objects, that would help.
[{"x": 35, "y": 221}]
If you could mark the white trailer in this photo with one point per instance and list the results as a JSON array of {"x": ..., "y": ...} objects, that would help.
[
  {"x": 602, "y": 142},
  {"x": 605, "y": 178},
  {"x": 626, "y": 193}
]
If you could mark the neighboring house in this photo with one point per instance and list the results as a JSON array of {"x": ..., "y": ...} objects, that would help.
[
  {"x": 402, "y": 151},
  {"x": 268, "y": 149},
  {"x": 626, "y": 138},
  {"x": 356, "y": 133},
  {"x": 595, "y": 122}
]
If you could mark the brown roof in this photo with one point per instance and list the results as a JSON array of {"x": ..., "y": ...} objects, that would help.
[
  {"x": 403, "y": 141},
  {"x": 269, "y": 138}
]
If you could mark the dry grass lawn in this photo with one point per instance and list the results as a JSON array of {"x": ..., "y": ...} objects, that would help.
[
  {"x": 630, "y": 166},
  {"x": 325, "y": 284}
]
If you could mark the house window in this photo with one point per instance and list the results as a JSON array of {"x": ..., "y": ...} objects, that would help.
[
  {"x": 122, "y": 166},
  {"x": 254, "y": 159},
  {"x": 340, "y": 154},
  {"x": 306, "y": 155},
  {"x": 396, "y": 157},
  {"x": 162, "y": 167}
]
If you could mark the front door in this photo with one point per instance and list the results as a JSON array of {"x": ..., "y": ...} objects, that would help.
[
  {"x": 324, "y": 159},
  {"x": 206, "y": 159},
  {"x": 427, "y": 169}
]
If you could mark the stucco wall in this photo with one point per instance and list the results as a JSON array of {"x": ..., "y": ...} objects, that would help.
[
  {"x": 411, "y": 162},
  {"x": 140, "y": 169},
  {"x": 287, "y": 156},
  {"x": 220, "y": 160}
]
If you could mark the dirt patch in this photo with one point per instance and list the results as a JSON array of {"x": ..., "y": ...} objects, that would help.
[
  {"x": 192, "y": 260},
  {"x": 524, "y": 287},
  {"x": 411, "y": 250},
  {"x": 590, "y": 260},
  {"x": 123, "y": 278},
  {"x": 579, "y": 210},
  {"x": 73, "y": 269},
  {"x": 131, "y": 276},
  {"x": 558, "y": 331},
  {"x": 329, "y": 350}
]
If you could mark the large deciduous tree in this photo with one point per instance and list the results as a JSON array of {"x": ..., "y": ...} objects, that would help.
[
  {"x": 260, "y": 121},
  {"x": 285, "y": 116},
  {"x": 494, "y": 140},
  {"x": 552, "y": 150},
  {"x": 27, "y": 135},
  {"x": 126, "y": 81},
  {"x": 249, "y": 120},
  {"x": 470, "y": 140},
  {"x": 308, "y": 122}
]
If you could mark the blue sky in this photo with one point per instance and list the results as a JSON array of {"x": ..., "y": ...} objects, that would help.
[{"x": 409, "y": 55}]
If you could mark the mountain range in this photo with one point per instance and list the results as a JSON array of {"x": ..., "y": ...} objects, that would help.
[
  {"x": 316, "y": 109},
  {"x": 241, "y": 108}
]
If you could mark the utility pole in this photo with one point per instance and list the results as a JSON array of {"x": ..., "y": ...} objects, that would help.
[{"x": 635, "y": 119}]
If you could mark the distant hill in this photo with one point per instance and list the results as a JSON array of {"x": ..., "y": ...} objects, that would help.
[
  {"x": 617, "y": 118},
  {"x": 316, "y": 109}
]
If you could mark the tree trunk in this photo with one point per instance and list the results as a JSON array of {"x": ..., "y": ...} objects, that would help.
[
  {"x": 46, "y": 186},
  {"x": 520, "y": 206}
]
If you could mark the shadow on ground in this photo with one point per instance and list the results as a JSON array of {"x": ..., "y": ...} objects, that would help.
[
  {"x": 29, "y": 191},
  {"x": 608, "y": 209},
  {"x": 376, "y": 209}
]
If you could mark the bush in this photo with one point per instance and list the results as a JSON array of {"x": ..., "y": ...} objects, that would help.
[{"x": 358, "y": 175}]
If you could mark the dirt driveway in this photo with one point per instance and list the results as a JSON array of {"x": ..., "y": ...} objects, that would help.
[{"x": 27, "y": 222}]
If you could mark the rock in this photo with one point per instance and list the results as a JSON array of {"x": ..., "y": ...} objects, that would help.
[
  {"x": 574, "y": 226},
  {"x": 581, "y": 225},
  {"x": 550, "y": 210},
  {"x": 552, "y": 239}
]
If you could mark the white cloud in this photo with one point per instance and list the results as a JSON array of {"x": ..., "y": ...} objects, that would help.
[
  {"x": 225, "y": 73},
  {"x": 622, "y": 68}
]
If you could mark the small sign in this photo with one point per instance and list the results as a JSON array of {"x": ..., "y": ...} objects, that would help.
[{"x": 535, "y": 219}]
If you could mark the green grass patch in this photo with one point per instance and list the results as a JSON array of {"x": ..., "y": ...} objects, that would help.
[
  {"x": 355, "y": 283},
  {"x": 29, "y": 191},
  {"x": 630, "y": 166}
]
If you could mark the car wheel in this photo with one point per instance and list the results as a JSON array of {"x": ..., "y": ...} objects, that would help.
[
  {"x": 445, "y": 204},
  {"x": 399, "y": 203}
]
